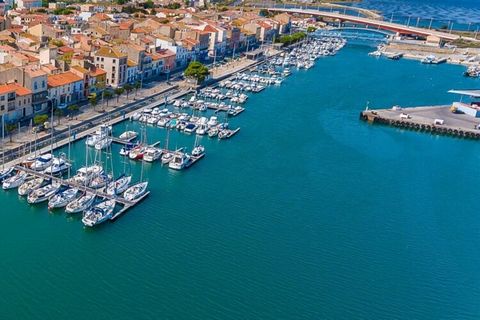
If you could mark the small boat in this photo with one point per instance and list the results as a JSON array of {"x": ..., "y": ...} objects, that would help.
[
  {"x": 81, "y": 204},
  {"x": 190, "y": 127},
  {"x": 128, "y": 135},
  {"x": 44, "y": 193},
  {"x": 58, "y": 166},
  {"x": 167, "y": 157},
  {"x": 103, "y": 144},
  {"x": 6, "y": 173},
  {"x": 212, "y": 132},
  {"x": 136, "y": 153},
  {"x": 42, "y": 162},
  {"x": 125, "y": 150},
  {"x": 93, "y": 139},
  {"x": 119, "y": 185},
  {"x": 152, "y": 154},
  {"x": 198, "y": 151},
  {"x": 14, "y": 181},
  {"x": 135, "y": 191},
  {"x": 62, "y": 199},
  {"x": 180, "y": 161},
  {"x": 85, "y": 174},
  {"x": 29, "y": 186},
  {"x": 99, "y": 213},
  {"x": 223, "y": 134}
]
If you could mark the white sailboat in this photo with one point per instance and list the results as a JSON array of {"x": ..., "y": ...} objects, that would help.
[
  {"x": 44, "y": 193},
  {"x": 135, "y": 191},
  {"x": 62, "y": 199},
  {"x": 14, "y": 181},
  {"x": 99, "y": 213},
  {"x": 81, "y": 204},
  {"x": 119, "y": 185},
  {"x": 29, "y": 186}
]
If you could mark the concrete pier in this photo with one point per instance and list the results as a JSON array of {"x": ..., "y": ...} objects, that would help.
[{"x": 434, "y": 119}]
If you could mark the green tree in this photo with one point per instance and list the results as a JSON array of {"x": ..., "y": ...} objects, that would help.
[
  {"x": 58, "y": 113},
  {"x": 137, "y": 86},
  {"x": 73, "y": 108},
  {"x": 128, "y": 88},
  {"x": 93, "y": 100},
  {"x": 9, "y": 128},
  {"x": 40, "y": 119},
  {"x": 107, "y": 95},
  {"x": 197, "y": 71},
  {"x": 311, "y": 29},
  {"x": 148, "y": 4},
  {"x": 118, "y": 92}
]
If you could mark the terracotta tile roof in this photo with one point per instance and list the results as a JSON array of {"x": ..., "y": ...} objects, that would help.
[
  {"x": 14, "y": 87},
  {"x": 62, "y": 79},
  {"x": 80, "y": 69},
  {"x": 65, "y": 49},
  {"x": 33, "y": 71},
  {"x": 97, "y": 72},
  {"x": 109, "y": 52},
  {"x": 131, "y": 63}
]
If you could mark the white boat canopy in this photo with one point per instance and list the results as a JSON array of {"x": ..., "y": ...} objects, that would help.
[{"x": 471, "y": 93}]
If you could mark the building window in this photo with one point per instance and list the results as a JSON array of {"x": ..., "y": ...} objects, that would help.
[{"x": 113, "y": 61}]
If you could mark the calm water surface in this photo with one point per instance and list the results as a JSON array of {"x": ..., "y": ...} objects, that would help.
[{"x": 307, "y": 213}]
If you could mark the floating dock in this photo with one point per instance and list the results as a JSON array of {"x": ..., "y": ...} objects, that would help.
[{"x": 434, "y": 119}]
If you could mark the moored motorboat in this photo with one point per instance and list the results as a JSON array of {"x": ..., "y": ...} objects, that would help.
[
  {"x": 167, "y": 157},
  {"x": 180, "y": 161},
  {"x": 103, "y": 144},
  {"x": 42, "y": 162},
  {"x": 58, "y": 167},
  {"x": 6, "y": 173},
  {"x": 128, "y": 135},
  {"x": 152, "y": 154},
  {"x": 198, "y": 151}
]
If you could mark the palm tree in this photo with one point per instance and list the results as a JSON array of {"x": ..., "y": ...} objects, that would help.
[
  {"x": 107, "y": 95},
  {"x": 93, "y": 101},
  {"x": 136, "y": 85},
  {"x": 128, "y": 88},
  {"x": 119, "y": 92}
]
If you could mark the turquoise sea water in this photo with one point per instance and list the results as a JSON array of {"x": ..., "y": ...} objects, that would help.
[{"x": 308, "y": 213}]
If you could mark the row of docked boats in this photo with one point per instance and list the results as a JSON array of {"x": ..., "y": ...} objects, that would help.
[
  {"x": 75, "y": 194},
  {"x": 185, "y": 122},
  {"x": 101, "y": 139},
  {"x": 304, "y": 55}
]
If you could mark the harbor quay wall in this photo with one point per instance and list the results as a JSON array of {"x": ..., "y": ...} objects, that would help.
[{"x": 421, "y": 125}]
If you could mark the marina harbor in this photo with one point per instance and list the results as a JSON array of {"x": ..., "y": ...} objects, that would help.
[{"x": 95, "y": 192}]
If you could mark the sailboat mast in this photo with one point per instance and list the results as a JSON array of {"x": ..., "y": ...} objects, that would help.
[{"x": 3, "y": 141}]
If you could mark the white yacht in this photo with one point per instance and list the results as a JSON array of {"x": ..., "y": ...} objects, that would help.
[
  {"x": 180, "y": 161},
  {"x": 93, "y": 139},
  {"x": 198, "y": 151},
  {"x": 14, "y": 181},
  {"x": 42, "y": 162},
  {"x": 29, "y": 186},
  {"x": 5, "y": 173},
  {"x": 44, "y": 193},
  {"x": 62, "y": 199},
  {"x": 58, "y": 166},
  {"x": 152, "y": 154},
  {"x": 103, "y": 144},
  {"x": 128, "y": 135},
  {"x": 85, "y": 174},
  {"x": 81, "y": 204},
  {"x": 119, "y": 185},
  {"x": 167, "y": 157},
  {"x": 99, "y": 213},
  {"x": 135, "y": 191}
]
